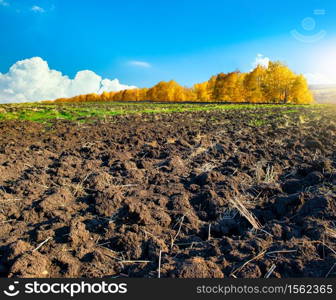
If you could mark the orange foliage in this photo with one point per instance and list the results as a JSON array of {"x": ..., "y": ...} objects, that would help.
[{"x": 275, "y": 84}]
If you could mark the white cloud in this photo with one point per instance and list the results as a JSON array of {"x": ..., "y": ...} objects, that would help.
[
  {"x": 261, "y": 60},
  {"x": 38, "y": 9},
  {"x": 33, "y": 80},
  {"x": 113, "y": 85},
  {"x": 138, "y": 63},
  {"x": 319, "y": 78},
  {"x": 4, "y": 3}
]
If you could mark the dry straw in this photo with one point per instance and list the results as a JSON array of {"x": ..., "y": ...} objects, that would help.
[{"x": 246, "y": 213}]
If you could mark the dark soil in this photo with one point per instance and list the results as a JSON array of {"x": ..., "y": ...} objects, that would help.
[{"x": 104, "y": 199}]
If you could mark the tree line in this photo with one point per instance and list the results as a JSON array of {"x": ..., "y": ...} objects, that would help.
[{"x": 273, "y": 84}]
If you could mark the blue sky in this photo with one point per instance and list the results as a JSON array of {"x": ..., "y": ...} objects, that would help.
[{"x": 141, "y": 42}]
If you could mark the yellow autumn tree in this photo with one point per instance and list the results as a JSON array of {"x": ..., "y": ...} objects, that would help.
[
  {"x": 107, "y": 96},
  {"x": 169, "y": 91},
  {"x": 229, "y": 87},
  {"x": 253, "y": 83},
  {"x": 300, "y": 93},
  {"x": 202, "y": 92},
  {"x": 274, "y": 84},
  {"x": 278, "y": 82}
]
